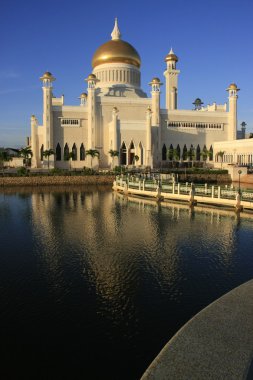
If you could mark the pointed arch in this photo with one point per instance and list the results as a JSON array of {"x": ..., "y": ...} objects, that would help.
[
  {"x": 58, "y": 152},
  {"x": 211, "y": 153},
  {"x": 82, "y": 152},
  {"x": 42, "y": 152},
  {"x": 123, "y": 154},
  {"x": 140, "y": 153},
  {"x": 178, "y": 152},
  {"x": 164, "y": 153},
  {"x": 131, "y": 153},
  {"x": 66, "y": 152},
  {"x": 74, "y": 152},
  {"x": 198, "y": 153},
  {"x": 170, "y": 152},
  {"x": 184, "y": 152}
]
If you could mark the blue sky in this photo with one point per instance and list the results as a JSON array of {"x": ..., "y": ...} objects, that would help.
[{"x": 213, "y": 40}]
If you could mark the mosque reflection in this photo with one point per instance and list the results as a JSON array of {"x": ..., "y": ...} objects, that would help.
[{"x": 113, "y": 241}]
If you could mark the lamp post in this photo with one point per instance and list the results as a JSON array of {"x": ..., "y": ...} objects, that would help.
[{"x": 239, "y": 172}]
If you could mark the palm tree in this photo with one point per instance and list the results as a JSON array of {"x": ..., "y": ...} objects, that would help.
[
  {"x": 136, "y": 158},
  {"x": 92, "y": 153},
  {"x": 113, "y": 153},
  {"x": 221, "y": 154},
  {"x": 26, "y": 153},
  {"x": 205, "y": 154},
  {"x": 47, "y": 153}
]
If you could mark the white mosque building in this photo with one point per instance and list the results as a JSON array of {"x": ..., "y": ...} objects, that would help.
[{"x": 116, "y": 114}]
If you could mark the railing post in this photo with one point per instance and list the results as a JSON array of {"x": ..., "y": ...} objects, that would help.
[
  {"x": 139, "y": 185},
  {"x": 173, "y": 187},
  {"x": 143, "y": 184},
  {"x": 212, "y": 191},
  {"x": 205, "y": 188},
  {"x": 219, "y": 192},
  {"x": 178, "y": 188}
]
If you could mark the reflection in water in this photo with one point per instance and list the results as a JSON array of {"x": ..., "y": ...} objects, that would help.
[{"x": 101, "y": 281}]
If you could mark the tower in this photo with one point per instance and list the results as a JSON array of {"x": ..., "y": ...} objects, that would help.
[
  {"x": 171, "y": 75},
  {"x": 232, "y": 98},
  {"x": 91, "y": 103},
  {"x": 156, "y": 129},
  {"x": 47, "y": 80}
]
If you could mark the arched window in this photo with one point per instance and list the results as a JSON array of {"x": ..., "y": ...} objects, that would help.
[
  {"x": 184, "y": 152},
  {"x": 123, "y": 154},
  {"x": 198, "y": 153},
  {"x": 211, "y": 153},
  {"x": 42, "y": 152},
  {"x": 131, "y": 154},
  {"x": 170, "y": 153},
  {"x": 74, "y": 152},
  {"x": 66, "y": 152},
  {"x": 58, "y": 152},
  {"x": 178, "y": 152},
  {"x": 140, "y": 153},
  {"x": 164, "y": 153},
  {"x": 82, "y": 153}
]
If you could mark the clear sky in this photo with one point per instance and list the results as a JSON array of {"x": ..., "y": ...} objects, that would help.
[{"x": 212, "y": 38}]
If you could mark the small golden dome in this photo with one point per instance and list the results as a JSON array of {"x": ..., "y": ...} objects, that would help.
[
  {"x": 83, "y": 95},
  {"x": 233, "y": 86},
  {"x": 47, "y": 75},
  {"x": 155, "y": 80},
  {"x": 171, "y": 56},
  {"x": 116, "y": 51}
]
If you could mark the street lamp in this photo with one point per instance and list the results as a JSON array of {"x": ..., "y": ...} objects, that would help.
[{"x": 239, "y": 172}]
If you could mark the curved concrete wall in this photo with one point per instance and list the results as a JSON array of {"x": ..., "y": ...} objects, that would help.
[{"x": 215, "y": 344}]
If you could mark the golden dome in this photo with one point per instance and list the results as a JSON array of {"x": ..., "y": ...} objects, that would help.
[
  {"x": 116, "y": 51},
  {"x": 171, "y": 56},
  {"x": 233, "y": 86},
  {"x": 47, "y": 75},
  {"x": 83, "y": 95},
  {"x": 155, "y": 80}
]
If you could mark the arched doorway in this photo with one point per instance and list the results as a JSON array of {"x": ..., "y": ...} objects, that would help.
[
  {"x": 140, "y": 153},
  {"x": 164, "y": 153},
  {"x": 131, "y": 154},
  {"x": 123, "y": 154}
]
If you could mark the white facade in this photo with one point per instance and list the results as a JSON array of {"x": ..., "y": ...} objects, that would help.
[{"x": 116, "y": 114}]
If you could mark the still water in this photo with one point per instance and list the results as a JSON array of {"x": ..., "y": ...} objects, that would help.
[{"x": 93, "y": 284}]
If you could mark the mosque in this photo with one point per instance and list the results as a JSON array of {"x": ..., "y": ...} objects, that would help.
[{"x": 117, "y": 115}]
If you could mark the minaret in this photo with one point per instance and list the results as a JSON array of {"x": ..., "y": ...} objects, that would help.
[
  {"x": 156, "y": 134},
  {"x": 91, "y": 103},
  {"x": 47, "y": 80},
  {"x": 34, "y": 147},
  {"x": 232, "y": 97},
  {"x": 148, "y": 136},
  {"x": 171, "y": 75},
  {"x": 83, "y": 99}
]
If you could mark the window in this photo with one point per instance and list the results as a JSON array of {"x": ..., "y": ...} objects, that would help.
[
  {"x": 74, "y": 153},
  {"x": 82, "y": 153},
  {"x": 58, "y": 152}
]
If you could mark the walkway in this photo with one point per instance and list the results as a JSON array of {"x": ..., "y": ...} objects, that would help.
[
  {"x": 215, "y": 344},
  {"x": 193, "y": 193}
]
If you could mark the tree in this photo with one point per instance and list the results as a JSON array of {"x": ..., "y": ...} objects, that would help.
[
  {"x": 4, "y": 157},
  {"x": 191, "y": 154},
  {"x": 136, "y": 158},
  {"x": 205, "y": 154},
  {"x": 221, "y": 155},
  {"x": 92, "y": 153},
  {"x": 113, "y": 153},
  {"x": 47, "y": 153},
  {"x": 26, "y": 153}
]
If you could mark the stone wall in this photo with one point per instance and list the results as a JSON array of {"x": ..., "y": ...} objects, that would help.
[{"x": 56, "y": 180}]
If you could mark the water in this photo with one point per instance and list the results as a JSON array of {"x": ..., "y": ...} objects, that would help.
[{"x": 92, "y": 285}]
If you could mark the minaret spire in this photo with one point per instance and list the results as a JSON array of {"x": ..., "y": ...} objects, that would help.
[{"x": 116, "y": 33}]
